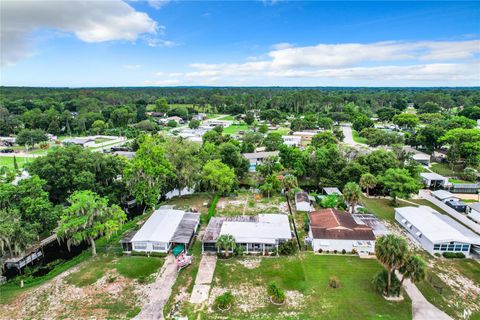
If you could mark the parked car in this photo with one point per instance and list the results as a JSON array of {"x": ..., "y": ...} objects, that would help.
[{"x": 7, "y": 151}]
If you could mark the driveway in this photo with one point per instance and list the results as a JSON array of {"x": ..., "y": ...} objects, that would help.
[
  {"x": 347, "y": 132},
  {"x": 422, "y": 309},
  {"x": 204, "y": 278},
  {"x": 159, "y": 291}
]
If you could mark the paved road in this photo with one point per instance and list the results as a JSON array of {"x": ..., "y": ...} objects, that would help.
[
  {"x": 422, "y": 309},
  {"x": 347, "y": 132},
  {"x": 425, "y": 194},
  {"x": 160, "y": 291}
]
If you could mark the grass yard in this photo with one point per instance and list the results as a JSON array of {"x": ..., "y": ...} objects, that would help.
[
  {"x": 282, "y": 130},
  {"x": 8, "y": 161},
  {"x": 382, "y": 208},
  {"x": 234, "y": 128},
  {"x": 133, "y": 267},
  {"x": 356, "y": 137},
  {"x": 305, "y": 279},
  {"x": 445, "y": 169},
  {"x": 248, "y": 204},
  {"x": 229, "y": 117}
]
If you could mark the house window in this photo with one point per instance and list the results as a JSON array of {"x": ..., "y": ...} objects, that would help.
[
  {"x": 436, "y": 247},
  {"x": 443, "y": 247},
  {"x": 140, "y": 245},
  {"x": 158, "y": 246},
  {"x": 465, "y": 247},
  {"x": 451, "y": 247}
]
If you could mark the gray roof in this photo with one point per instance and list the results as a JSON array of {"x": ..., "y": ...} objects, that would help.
[
  {"x": 302, "y": 197},
  {"x": 475, "y": 206},
  {"x": 465, "y": 185},
  {"x": 186, "y": 228},
  {"x": 332, "y": 190},
  {"x": 260, "y": 155},
  {"x": 432, "y": 176}
]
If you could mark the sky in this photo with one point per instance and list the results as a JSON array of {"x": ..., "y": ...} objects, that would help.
[{"x": 239, "y": 43}]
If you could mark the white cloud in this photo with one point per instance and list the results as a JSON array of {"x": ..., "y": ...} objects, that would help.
[
  {"x": 156, "y": 42},
  {"x": 131, "y": 66},
  {"x": 89, "y": 21},
  {"x": 395, "y": 62},
  {"x": 157, "y": 4}
]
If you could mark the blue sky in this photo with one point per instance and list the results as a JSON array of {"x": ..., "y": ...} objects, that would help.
[{"x": 161, "y": 43}]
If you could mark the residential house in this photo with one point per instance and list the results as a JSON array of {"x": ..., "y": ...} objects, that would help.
[
  {"x": 418, "y": 156},
  {"x": 434, "y": 180},
  {"x": 216, "y": 122},
  {"x": 305, "y": 136},
  {"x": 292, "y": 141},
  {"x": 257, "y": 158},
  {"x": 473, "y": 211},
  {"x": 444, "y": 196},
  {"x": 435, "y": 232},
  {"x": 164, "y": 229},
  {"x": 80, "y": 141},
  {"x": 331, "y": 229},
  {"x": 465, "y": 188},
  {"x": 255, "y": 234},
  {"x": 303, "y": 202},
  {"x": 331, "y": 190}
]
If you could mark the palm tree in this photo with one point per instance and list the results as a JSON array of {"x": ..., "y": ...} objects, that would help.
[
  {"x": 368, "y": 181},
  {"x": 352, "y": 194},
  {"x": 266, "y": 188},
  {"x": 414, "y": 268},
  {"x": 226, "y": 242},
  {"x": 391, "y": 251}
]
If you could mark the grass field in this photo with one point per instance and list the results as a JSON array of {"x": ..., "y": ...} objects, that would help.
[
  {"x": 382, "y": 208},
  {"x": 282, "y": 130},
  {"x": 8, "y": 161},
  {"x": 234, "y": 128},
  {"x": 132, "y": 267},
  {"x": 305, "y": 279},
  {"x": 356, "y": 137},
  {"x": 445, "y": 169},
  {"x": 229, "y": 117}
]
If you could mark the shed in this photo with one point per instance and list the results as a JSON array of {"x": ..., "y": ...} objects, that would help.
[
  {"x": 332, "y": 190},
  {"x": 434, "y": 180}
]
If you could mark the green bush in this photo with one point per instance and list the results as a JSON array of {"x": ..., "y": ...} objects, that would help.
[
  {"x": 454, "y": 255},
  {"x": 380, "y": 283},
  {"x": 275, "y": 292},
  {"x": 288, "y": 247},
  {"x": 224, "y": 301},
  {"x": 333, "y": 282}
]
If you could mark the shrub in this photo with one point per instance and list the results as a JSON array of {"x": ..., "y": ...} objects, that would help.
[
  {"x": 275, "y": 292},
  {"x": 333, "y": 282},
  {"x": 344, "y": 251},
  {"x": 44, "y": 145},
  {"x": 320, "y": 250},
  {"x": 354, "y": 251},
  {"x": 453, "y": 255},
  {"x": 239, "y": 251},
  {"x": 380, "y": 283},
  {"x": 288, "y": 247},
  {"x": 224, "y": 301},
  {"x": 335, "y": 251},
  {"x": 436, "y": 254}
]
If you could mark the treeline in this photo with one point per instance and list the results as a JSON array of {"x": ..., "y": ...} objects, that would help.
[{"x": 64, "y": 110}]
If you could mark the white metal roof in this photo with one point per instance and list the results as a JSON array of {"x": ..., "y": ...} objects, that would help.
[
  {"x": 268, "y": 229},
  {"x": 442, "y": 194},
  {"x": 261, "y": 155},
  {"x": 432, "y": 226},
  {"x": 160, "y": 227},
  {"x": 432, "y": 176},
  {"x": 421, "y": 156}
]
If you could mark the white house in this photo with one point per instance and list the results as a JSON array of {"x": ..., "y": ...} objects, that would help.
[
  {"x": 257, "y": 158},
  {"x": 305, "y": 135},
  {"x": 434, "y": 180},
  {"x": 255, "y": 234},
  {"x": 435, "y": 232},
  {"x": 332, "y": 230},
  {"x": 444, "y": 196},
  {"x": 422, "y": 158},
  {"x": 165, "y": 228},
  {"x": 292, "y": 141},
  {"x": 81, "y": 141},
  {"x": 473, "y": 211},
  {"x": 302, "y": 202}
]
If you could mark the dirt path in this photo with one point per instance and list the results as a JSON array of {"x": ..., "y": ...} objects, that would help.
[
  {"x": 204, "y": 279},
  {"x": 159, "y": 291}
]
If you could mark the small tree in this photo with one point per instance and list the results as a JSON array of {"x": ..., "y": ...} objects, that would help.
[
  {"x": 226, "y": 242},
  {"x": 218, "y": 176},
  {"x": 399, "y": 183},
  {"x": 224, "y": 301},
  {"x": 275, "y": 292},
  {"x": 367, "y": 181},
  {"x": 414, "y": 268},
  {"x": 172, "y": 123},
  {"x": 352, "y": 194},
  {"x": 89, "y": 217},
  {"x": 266, "y": 188},
  {"x": 194, "y": 124}
]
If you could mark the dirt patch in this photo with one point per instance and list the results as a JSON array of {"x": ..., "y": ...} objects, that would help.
[
  {"x": 110, "y": 296},
  {"x": 250, "y": 263}
]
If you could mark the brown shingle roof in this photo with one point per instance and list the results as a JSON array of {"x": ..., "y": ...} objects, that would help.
[{"x": 334, "y": 224}]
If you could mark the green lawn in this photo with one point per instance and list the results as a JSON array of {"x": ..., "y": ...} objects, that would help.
[
  {"x": 234, "y": 128},
  {"x": 356, "y": 137},
  {"x": 282, "y": 130},
  {"x": 135, "y": 267},
  {"x": 229, "y": 117},
  {"x": 445, "y": 169},
  {"x": 458, "y": 181},
  {"x": 306, "y": 276},
  {"x": 8, "y": 161},
  {"x": 382, "y": 208}
]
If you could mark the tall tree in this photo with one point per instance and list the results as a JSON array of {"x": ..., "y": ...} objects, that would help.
[
  {"x": 89, "y": 217},
  {"x": 218, "y": 177},
  {"x": 352, "y": 194},
  {"x": 399, "y": 183},
  {"x": 414, "y": 268},
  {"x": 391, "y": 251}
]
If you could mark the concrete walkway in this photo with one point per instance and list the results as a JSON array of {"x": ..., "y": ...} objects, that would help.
[
  {"x": 159, "y": 291},
  {"x": 204, "y": 278},
  {"x": 422, "y": 309}
]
